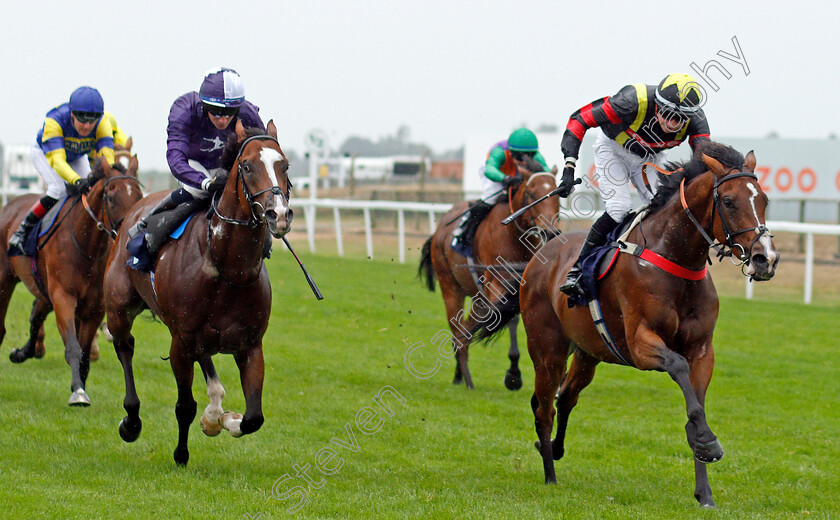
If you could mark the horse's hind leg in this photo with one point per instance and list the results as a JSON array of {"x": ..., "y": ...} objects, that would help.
[
  {"x": 251, "y": 373},
  {"x": 41, "y": 308},
  {"x": 453, "y": 298},
  {"x": 580, "y": 374},
  {"x": 183, "y": 369},
  {"x": 209, "y": 420},
  {"x": 513, "y": 377},
  {"x": 8, "y": 281}
]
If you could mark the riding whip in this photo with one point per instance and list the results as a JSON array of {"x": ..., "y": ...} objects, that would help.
[
  {"x": 518, "y": 213},
  {"x": 309, "y": 279},
  {"x": 461, "y": 214}
]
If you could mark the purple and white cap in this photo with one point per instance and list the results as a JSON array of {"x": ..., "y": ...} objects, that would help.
[{"x": 222, "y": 87}]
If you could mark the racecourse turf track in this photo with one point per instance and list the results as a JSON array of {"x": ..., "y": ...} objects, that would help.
[{"x": 445, "y": 453}]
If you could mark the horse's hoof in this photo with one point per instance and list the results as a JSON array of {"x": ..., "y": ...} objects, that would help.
[
  {"x": 709, "y": 452},
  {"x": 232, "y": 422},
  {"x": 79, "y": 398},
  {"x": 513, "y": 381},
  {"x": 40, "y": 350},
  {"x": 128, "y": 432},
  {"x": 18, "y": 355},
  {"x": 181, "y": 456},
  {"x": 209, "y": 429}
]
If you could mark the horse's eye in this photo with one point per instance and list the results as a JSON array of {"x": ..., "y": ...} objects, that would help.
[
  {"x": 727, "y": 202},
  {"x": 246, "y": 167}
]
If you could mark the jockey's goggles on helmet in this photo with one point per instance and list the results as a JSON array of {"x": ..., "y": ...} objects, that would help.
[
  {"x": 216, "y": 111},
  {"x": 86, "y": 117},
  {"x": 520, "y": 156}
]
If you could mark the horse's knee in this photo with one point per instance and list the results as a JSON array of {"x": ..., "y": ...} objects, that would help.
[{"x": 251, "y": 424}]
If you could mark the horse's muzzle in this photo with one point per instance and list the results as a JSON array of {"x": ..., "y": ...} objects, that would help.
[
  {"x": 761, "y": 267},
  {"x": 279, "y": 225}
]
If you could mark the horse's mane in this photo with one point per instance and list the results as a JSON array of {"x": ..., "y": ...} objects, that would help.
[
  {"x": 533, "y": 165},
  {"x": 726, "y": 155},
  {"x": 97, "y": 173},
  {"x": 232, "y": 147}
]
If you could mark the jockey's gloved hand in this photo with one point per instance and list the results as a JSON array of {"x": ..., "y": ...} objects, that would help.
[
  {"x": 568, "y": 181},
  {"x": 80, "y": 186},
  {"x": 511, "y": 180},
  {"x": 217, "y": 183}
]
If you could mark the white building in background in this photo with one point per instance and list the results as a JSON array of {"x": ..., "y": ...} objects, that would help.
[{"x": 19, "y": 174}]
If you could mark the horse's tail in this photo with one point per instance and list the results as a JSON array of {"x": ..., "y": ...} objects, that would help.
[
  {"x": 505, "y": 310},
  {"x": 426, "y": 270}
]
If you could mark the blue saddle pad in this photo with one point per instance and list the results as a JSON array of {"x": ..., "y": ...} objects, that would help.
[
  {"x": 140, "y": 259},
  {"x": 42, "y": 227}
]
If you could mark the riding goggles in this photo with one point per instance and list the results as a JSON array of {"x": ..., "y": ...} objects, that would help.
[{"x": 87, "y": 117}]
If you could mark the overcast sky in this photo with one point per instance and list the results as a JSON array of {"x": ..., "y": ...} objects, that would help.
[{"x": 447, "y": 69}]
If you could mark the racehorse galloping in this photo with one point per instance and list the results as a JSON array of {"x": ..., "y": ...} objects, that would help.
[
  {"x": 493, "y": 241},
  {"x": 70, "y": 266},
  {"x": 210, "y": 288},
  {"x": 658, "y": 320}
]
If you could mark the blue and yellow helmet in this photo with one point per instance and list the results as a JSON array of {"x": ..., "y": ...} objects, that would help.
[{"x": 86, "y": 99}]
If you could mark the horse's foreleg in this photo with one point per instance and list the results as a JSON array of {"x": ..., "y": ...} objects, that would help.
[
  {"x": 700, "y": 374},
  {"x": 40, "y": 309},
  {"x": 65, "y": 315},
  {"x": 209, "y": 420},
  {"x": 513, "y": 377},
  {"x": 703, "y": 442},
  {"x": 87, "y": 332},
  {"x": 7, "y": 289},
  {"x": 183, "y": 369},
  {"x": 549, "y": 366},
  {"x": 580, "y": 374},
  {"x": 251, "y": 373}
]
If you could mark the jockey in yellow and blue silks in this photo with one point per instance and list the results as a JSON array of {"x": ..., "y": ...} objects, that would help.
[
  {"x": 120, "y": 137},
  {"x": 500, "y": 171},
  {"x": 70, "y": 132},
  {"x": 636, "y": 127}
]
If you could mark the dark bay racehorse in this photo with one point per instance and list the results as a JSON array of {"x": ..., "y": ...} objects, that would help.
[
  {"x": 658, "y": 321},
  {"x": 70, "y": 267},
  {"x": 498, "y": 251},
  {"x": 210, "y": 288}
]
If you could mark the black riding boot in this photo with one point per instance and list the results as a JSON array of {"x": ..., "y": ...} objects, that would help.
[
  {"x": 163, "y": 221},
  {"x": 29, "y": 221},
  {"x": 597, "y": 237},
  {"x": 164, "y": 205},
  {"x": 462, "y": 237}
]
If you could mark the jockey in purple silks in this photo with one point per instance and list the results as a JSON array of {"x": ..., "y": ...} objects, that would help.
[{"x": 200, "y": 124}]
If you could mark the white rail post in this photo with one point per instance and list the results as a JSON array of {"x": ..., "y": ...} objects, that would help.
[
  {"x": 339, "y": 242},
  {"x": 809, "y": 266},
  {"x": 431, "y": 222},
  {"x": 309, "y": 211},
  {"x": 401, "y": 234},
  {"x": 368, "y": 234},
  {"x": 749, "y": 288}
]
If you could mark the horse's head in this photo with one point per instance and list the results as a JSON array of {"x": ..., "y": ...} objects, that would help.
[
  {"x": 536, "y": 184},
  {"x": 122, "y": 153},
  {"x": 118, "y": 188},
  {"x": 261, "y": 171},
  {"x": 740, "y": 204}
]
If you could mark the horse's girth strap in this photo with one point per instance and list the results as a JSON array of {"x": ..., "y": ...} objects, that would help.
[{"x": 661, "y": 262}]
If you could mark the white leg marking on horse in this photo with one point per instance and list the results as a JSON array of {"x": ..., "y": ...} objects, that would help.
[
  {"x": 231, "y": 421},
  {"x": 210, "y": 424},
  {"x": 269, "y": 156}
]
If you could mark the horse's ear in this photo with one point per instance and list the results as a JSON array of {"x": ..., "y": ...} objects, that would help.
[
  {"x": 271, "y": 129},
  {"x": 106, "y": 168},
  {"x": 554, "y": 169},
  {"x": 749, "y": 162},
  {"x": 240, "y": 130},
  {"x": 129, "y": 143},
  {"x": 133, "y": 163},
  {"x": 714, "y": 165}
]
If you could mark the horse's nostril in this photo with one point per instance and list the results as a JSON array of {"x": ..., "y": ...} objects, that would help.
[{"x": 759, "y": 260}]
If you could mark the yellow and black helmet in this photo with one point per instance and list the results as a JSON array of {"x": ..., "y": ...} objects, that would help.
[{"x": 679, "y": 93}]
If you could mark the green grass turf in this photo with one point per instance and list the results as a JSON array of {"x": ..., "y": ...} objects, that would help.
[{"x": 445, "y": 453}]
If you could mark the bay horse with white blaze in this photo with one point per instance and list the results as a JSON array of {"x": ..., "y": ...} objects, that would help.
[
  {"x": 69, "y": 267},
  {"x": 658, "y": 320},
  {"x": 500, "y": 253},
  {"x": 210, "y": 288}
]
